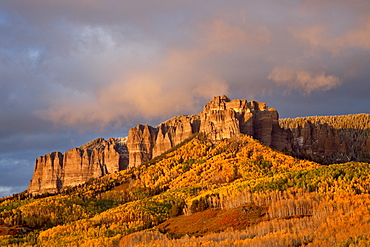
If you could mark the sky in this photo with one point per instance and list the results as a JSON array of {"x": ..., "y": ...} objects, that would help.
[{"x": 73, "y": 71}]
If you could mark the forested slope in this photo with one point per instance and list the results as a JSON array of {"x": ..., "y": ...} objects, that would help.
[{"x": 236, "y": 192}]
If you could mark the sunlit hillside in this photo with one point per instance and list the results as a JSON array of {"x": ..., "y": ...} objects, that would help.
[{"x": 234, "y": 193}]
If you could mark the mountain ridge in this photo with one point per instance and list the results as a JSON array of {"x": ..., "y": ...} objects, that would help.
[
  {"x": 221, "y": 118},
  {"x": 199, "y": 181}
]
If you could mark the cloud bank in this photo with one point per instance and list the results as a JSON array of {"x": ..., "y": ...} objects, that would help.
[
  {"x": 74, "y": 70},
  {"x": 303, "y": 80},
  {"x": 91, "y": 64}
]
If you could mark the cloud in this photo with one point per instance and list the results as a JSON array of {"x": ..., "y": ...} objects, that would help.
[
  {"x": 127, "y": 74},
  {"x": 319, "y": 38},
  {"x": 178, "y": 77},
  {"x": 302, "y": 80},
  {"x": 71, "y": 71},
  {"x": 15, "y": 172},
  {"x": 334, "y": 27},
  {"x": 93, "y": 65},
  {"x": 224, "y": 36},
  {"x": 7, "y": 191},
  {"x": 166, "y": 92}
]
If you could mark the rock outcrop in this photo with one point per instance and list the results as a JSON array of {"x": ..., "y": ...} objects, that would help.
[
  {"x": 221, "y": 118},
  {"x": 55, "y": 171},
  {"x": 330, "y": 139},
  {"x": 319, "y": 142}
]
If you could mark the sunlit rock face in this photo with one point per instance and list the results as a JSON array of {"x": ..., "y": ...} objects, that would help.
[
  {"x": 55, "y": 171},
  {"x": 221, "y": 118}
]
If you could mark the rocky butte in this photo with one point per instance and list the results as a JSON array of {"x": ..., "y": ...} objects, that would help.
[
  {"x": 221, "y": 118},
  {"x": 58, "y": 170}
]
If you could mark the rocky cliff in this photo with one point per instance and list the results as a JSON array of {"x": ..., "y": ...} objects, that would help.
[
  {"x": 330, "y": 139},
  {"x": 319, "y": 142},
  {"x": 221, "y": 118},
  {"x": 95, "y": 159}
]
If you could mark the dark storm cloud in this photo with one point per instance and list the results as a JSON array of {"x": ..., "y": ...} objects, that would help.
[{"x": 74, "y": 70}]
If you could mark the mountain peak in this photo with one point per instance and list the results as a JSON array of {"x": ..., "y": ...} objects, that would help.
[{"x": 221, "y": 118}]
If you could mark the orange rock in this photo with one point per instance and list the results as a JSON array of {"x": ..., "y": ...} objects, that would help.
[
  {"x": 55, "y": 171},
  {"x": 220, "y": 118}
]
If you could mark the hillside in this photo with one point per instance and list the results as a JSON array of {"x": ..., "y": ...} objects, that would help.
[{"x": 231, "y": 193}]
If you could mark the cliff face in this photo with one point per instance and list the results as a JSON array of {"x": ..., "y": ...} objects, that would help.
[
  {"x": 319, "y": 142},
  {"x": 56, "y": 170},
  {"x": 330, "y": 139},
  {"x": 220, "y": 118}
]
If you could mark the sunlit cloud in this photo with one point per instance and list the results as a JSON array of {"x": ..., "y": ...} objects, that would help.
[
  {"x": 89, "y": 66},
  {"x": 125, "y": 73},
  {"x": 302, "y": 80}
]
